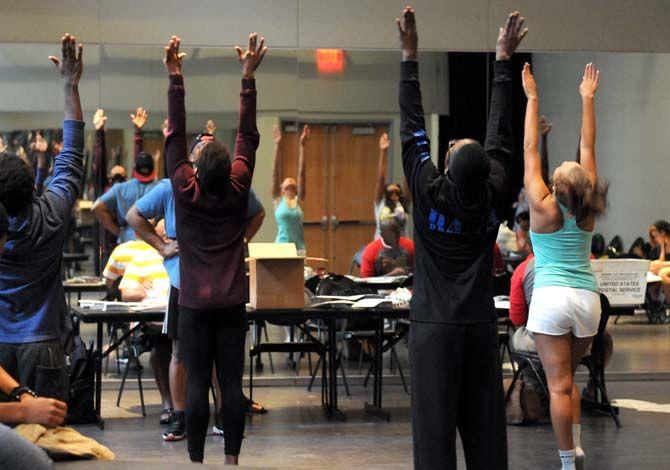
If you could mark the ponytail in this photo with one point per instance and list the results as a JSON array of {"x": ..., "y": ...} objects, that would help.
[{"x": 583, "y": 198}]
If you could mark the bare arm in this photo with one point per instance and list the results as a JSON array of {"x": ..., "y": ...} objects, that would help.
[
  {"x": 43, "y": 411},
  {"x": 587, "y": 146},
  {"x": 382, "y": 166},
  {"x": 545, "y": 128},
  {"x": 304, "y": 137},
  {"x": 148, "y": 233},
  {"x": 276, "y": 189},
  {"x": 105, "y": 217},
  {"x": 536, "y": 189},
  {"x": 133, "y": 294}
]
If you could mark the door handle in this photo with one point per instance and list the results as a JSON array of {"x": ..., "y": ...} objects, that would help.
[
  {"x": 334, "y": 222},
  {"x": 324, "y": 223}
]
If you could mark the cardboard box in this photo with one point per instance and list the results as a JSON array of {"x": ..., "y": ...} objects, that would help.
[{"x": 276, "y": 276}]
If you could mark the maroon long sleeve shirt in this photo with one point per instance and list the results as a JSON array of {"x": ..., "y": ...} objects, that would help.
[{"x": 210, "y": 230}]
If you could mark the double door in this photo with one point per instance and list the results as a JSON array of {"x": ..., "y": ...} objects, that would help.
[{"x": 341, "y": 173}]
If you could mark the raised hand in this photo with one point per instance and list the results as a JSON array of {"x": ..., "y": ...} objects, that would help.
[
  {"x": 510, "y": 36},
  {"x": 173, "y": 57},
  {"x": 164, "y": 128},
  {"x": 41, "y": 143},
  {"x": 528, "y": 81},
  {"x": 71, "y": 65},
  {"x": 384, "y": 142},
  {"x": 139, "y": 119},
  {"x": 276, "y": 134},
  {"x": 545, "y": 126},
  {"x": 409, "y": 39},
  {"x": 590, "y": 80},
  {"x": 253, "y": 56},
  {"x": 305, "y": 135},
  {"x": 99, "y": 119},
  {"x": 210, "y": 128}
]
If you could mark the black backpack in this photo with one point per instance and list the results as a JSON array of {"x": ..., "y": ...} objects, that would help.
[
  {"x": 336, "y": 284},
  {"x": 80, "y": 407}
]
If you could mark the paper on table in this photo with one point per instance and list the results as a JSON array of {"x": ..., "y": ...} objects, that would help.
[
  {"x": 371, "y": 303},
  {"x": 352, "y": 298},
  {"x": 379, "y": 279}
]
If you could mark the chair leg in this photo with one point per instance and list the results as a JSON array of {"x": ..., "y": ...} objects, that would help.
[
  {"x": 370, "y": 371},
  {"x": 139, "y": 382},
  {"x": 344, "y": 376},
  {"x": 511, "y": 386},
  {"x": 605, "y": 400},
  {"x": 402, "y": 375},
  {"x": 123, "y": 384},
  {"x": 267, "y": 339},
  {"x": 251, "y": 376},
  {"x": 360, "y": 359},
  {"x": 309, "y": 362},
  {"x": 316, "y": 369}
]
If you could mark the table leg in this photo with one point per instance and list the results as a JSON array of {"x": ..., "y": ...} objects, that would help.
[
  {"x": 98, "y": 378},
  {"x": 376, "y": 408},
  {"x": 333, "y": 410}
]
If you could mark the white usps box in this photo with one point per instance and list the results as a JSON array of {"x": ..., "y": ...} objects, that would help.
[{"x": 623, "y": 281}]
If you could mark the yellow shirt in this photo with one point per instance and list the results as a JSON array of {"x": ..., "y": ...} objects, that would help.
[
  {"x": 122, "y": 255},
  {"x": 146, "y": 270}
]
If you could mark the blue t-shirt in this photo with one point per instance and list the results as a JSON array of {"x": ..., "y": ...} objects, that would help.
[
  {"x": 120, "y": 198},
  {"x": 159, "y": 202},
  {"x": 32, "y": 301}
]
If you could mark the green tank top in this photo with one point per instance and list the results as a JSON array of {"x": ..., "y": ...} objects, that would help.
[
  {"x": 289, "y": 224},
  {"x": 563, "y": 258}
]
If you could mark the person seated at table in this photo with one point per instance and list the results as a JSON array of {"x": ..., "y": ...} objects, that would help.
[
  {"x": 25, "y": 408},
  {"x": 521, "y": 292},
  {"x": 390, "y": 255},
  {"x": 145, "y": 278},
  {"x": 111, "y": 208},
  {"x": 118, "y": 261},
  {"x": 33, "y": 313},
  {"x": 661, "y": 265}
]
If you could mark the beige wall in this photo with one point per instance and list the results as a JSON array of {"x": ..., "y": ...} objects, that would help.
[
  {"x": 566, "y": 25},
  {"x": 633, "y": 118}
]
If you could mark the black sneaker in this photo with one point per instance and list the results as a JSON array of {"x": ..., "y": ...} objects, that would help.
[{"x": 176, "y": 431}]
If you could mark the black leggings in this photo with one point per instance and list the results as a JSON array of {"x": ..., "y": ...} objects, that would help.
[{"x": 207, "y": 337}]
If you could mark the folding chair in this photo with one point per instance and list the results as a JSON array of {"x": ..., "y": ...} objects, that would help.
[{"x": 593, "y": 362}]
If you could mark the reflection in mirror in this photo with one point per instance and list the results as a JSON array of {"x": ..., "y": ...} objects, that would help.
[
  {"x": 354, "y": 175},
  {"x": 135, "y": 76},
  {"x": 31, "y": 100},
  {"x": 632, "y": 115}
]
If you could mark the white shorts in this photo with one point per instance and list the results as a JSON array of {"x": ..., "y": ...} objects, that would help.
[{"x": 558, "y": 310}]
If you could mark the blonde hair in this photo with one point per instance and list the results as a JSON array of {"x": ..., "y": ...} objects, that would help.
[{"x": 583, "y": 199}]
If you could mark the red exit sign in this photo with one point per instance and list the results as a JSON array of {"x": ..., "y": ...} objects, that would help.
[{"x": 330, "y": 61}]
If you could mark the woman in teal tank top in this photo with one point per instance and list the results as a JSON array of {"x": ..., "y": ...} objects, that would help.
[
  {"x": 289, "y": 194},
  {"x": 565, "y": 308}
]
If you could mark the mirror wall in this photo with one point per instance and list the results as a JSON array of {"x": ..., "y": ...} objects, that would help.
[{"x": 349, "y": 98}]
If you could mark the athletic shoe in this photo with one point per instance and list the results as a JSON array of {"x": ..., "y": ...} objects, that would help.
[{"x": 217, "y": 429}]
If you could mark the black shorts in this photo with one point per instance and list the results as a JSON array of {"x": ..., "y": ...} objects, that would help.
[{"x": 172, "y": 315}]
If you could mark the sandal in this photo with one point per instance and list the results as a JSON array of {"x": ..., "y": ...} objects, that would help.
[
  {"x": 256, "y": 408},
  {"x": 166, "y": 416}
]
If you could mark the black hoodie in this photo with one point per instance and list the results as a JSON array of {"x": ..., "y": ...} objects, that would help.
[{"x": 454, "y": 230}]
